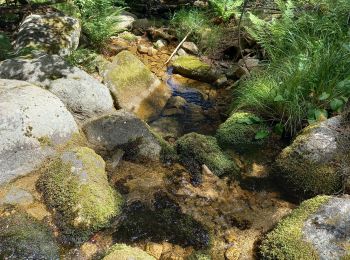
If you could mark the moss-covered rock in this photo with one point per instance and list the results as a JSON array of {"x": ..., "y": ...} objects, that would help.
[
  {"x": 22, "y": 237},
  {"x": 195, "y": 150},
  {"x": 315, "y": 162},
  {"x": 240, "y": 130},
  {"x": 76, "y": 187},
  {"x": 124, "y": 252},
  {"x": 192, "y": 67},
  {"x": 134, "y": 87},
  {"x": 50, "y": 33},
  {"x": 315, "y": 230}
]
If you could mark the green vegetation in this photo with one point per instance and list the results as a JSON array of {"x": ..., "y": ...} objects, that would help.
[
  {"x": 308, "y": 77},
  {"x": 242, "y": 131},
  {"x": 122, "y": 252},
  {"x": 286, "y": 240},
  {"x": 5, "y": 46},
  {"x": 203, "y": 32},
  {"x": 226, "y": 9},
  {"x": 195, "y": 150},
  {"x": 84, "y": 58}
]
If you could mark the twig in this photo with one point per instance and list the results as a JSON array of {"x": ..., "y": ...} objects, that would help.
[{"x": 178, "y": 47}]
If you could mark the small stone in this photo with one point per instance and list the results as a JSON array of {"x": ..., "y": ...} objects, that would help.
[
  {"x": 154, "y": 249},
  {"x": 232, "y": 253},
  {"x": 142, "y": 49},
  {"x": 151, "y": 51},
  {"x": 160, "y": 44},
  {"x": 190, "y": 47},
  {"x": 182, "y": 52},
  {"x": 221, "y": 81}
]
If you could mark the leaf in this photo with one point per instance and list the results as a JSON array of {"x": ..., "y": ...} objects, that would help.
[
  {"x": 321, "y": 115},
  {"x": 256, "y": 119},
  {"x": 278, "y": 98},
  {"x": 262, "y": 134},
  {"x": 324, "y": 96},
  {"x": 245, "y": 120},
  {"x": 336, "y": 104},
  {"x": 279, "y": 129}
]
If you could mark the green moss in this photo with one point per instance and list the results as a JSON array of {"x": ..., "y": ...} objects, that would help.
[
  {"x": 76, "y": 187},
  {"x": 195, "y": 150},
  {"x": 199, "y": 255},
  {"x": 124, "y": 252},
  {"x": 239, "y": 131},
  {"x": 22, "y": 237},
  {"x": 6, "y": 49},
  {"x": 285, "y": 241},
  {"x": 193, "y": 67}
]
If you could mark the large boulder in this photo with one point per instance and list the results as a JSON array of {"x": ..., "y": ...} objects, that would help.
[
  {"x": 316, "y": 162},
  {"x": 123, "y": 130},
  {"x": 135, "y": 87},
  {"x": 75, "y": 186},
  {"x": 240, "y": 131},
  {"x": 32, "y": 122},
  {"x": 196, "y": 150},
  {"x": 192, "y": 67},
  {"x": 83, "y": 95},
  {"x": 124, "y": 252},
  {"x": 49, "y": 33},
  {"x": 23, "y": 237},
  {"x": 318, "y": 229}
]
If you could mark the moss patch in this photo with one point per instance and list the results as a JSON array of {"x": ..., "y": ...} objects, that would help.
[
  {"x": 22, "y": 237},
  {"x": 193, "y": 67},
  {"x": 195, "y": 150},
  {"x": 285, "y": 241},
  {"x": 75, "y": 185},
  {"x": 124, "y": 252},
  {"x": 239, "y": 131}
]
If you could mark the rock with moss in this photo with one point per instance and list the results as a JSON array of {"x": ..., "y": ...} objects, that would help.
[
  {"x": 318, "y": 229},
  {"x": 49, "y": 33},
  {"x": 316, "y": 162},
  {"x": 23, "y": 237},
  {"x": 30, "y": 129},
  {"x": 83, "y": 95},
  {"x": 124, "y": 252},
  {"x": 135, "y": 87},
  {"x": 196, "y": 150},
  {"x": 123, "y": 130},
  {"x": 240, "y": 131},
  {"x": 192, "y": 67},
  {"x": 76, "y": 188}
]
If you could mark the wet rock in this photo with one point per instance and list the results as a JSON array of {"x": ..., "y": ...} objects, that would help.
[
  {"x": 190, "y": 47},
  {"x": 76, "y": 188},
  {"x": 29, "y": 128},
  {"x": 160, "y": 44},
  {"x": 17, "y": 196},
  {"x": 195, "y": 150},
  {"x": 192, "y": 67},
  {"x": 315, "y": 162},
  {"x": 125, "y": 131},
  {"x": 142, "y": 49},
  {"x": 22, "y": 237},
  {"x": 135, "y": 87},
  {"x": 162, "y": 221},
  {"x": 83, "y": 95},
  {"x": 49, "y": 33},
  {"x": 239, "y": 131},
  {"x": 154, "y": 249},
  {"x": 176, "y": 102},
  {"x": 167, "y": 127},
  {"x": 152, "y": 51},
  {"x": 318, "y": 229},
  {"x": 124, "y": 252}
]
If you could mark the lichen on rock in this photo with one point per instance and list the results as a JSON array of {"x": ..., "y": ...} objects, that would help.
[{"x": 124, "y": 252}]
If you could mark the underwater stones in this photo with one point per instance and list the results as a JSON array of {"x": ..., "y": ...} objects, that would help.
[
  {"x": 83, "y": 95},
  {"x": 318, "y": 229},
  {"x": 316, "y": 161},
  {"x": 29, "y": 127},
  {"x": 135, "y": 87},
  {"x": 49, "y": 33},
  {"x": 22, "y": 237},
  {"x": 196, "y": 150},
  {"x": 123, "y": 130},
  {"x": 124, "y": 252},
  {"x": 192, "y": 67},
  {"x": 76, "y": 187},
  {"x": 239, "y": 131}
]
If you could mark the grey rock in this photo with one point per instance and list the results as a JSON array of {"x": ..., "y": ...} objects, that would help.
[
  {"x": 328, "y": 230},
  {"x": 123, "y": 130},
  {"x": 83, "y": 95},
  {"x": 190, "y": 47},
  {"x": 125, "y": 21},
  {"x": 32, "y": 122},
  {"x": 50, "y": 33},
  {"x": 17, "y": 196}
]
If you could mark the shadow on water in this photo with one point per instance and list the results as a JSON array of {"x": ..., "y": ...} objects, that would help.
[{"x": 163, "y": 222}]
